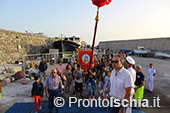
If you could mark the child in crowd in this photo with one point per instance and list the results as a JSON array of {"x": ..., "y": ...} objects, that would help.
[
  {"x": 106, "y": 83},
  {"x": 69, "y": 78},
  {"x": 37, "y": 93}
]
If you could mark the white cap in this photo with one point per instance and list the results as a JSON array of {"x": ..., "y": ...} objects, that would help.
[{"x": 130, "y": 60}]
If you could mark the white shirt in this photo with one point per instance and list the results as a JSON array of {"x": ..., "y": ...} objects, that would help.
[
  {"x": 133, "y": 73},
  {"x": 151, "y": 71},
  {"x": 78, "y": 75},
  {"x": 119, "y": 82}
]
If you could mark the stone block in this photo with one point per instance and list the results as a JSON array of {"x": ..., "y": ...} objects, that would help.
[
  {"x": 10, "y": 70},
  {"x": 27, "y": 79},
  {"x": 6, "y": 81}
]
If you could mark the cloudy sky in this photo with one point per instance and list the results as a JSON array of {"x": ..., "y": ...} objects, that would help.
[{"x": 121, "y": 20}]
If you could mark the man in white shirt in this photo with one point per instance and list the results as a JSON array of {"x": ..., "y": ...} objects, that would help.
[
  {"x": 151, "y": 74},
  {"x": 121, "y": 84},
  {"x": 128, "y": 64}
]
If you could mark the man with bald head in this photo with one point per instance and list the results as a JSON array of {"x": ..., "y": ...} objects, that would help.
[
  {"x": 139, "y": 84},
  {"x": 53, "y": 86}
]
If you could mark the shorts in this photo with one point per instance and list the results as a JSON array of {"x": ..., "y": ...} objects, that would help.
[
  {"x": 73, "y": 83},
  {"x": 78, "y": 87},
  {"x": 68, "y": 79}
]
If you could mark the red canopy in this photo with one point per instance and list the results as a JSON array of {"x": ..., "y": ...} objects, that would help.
[{"x": 101, "y": 3}]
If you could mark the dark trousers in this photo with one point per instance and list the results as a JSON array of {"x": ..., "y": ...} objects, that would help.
[
  {"x": 53, "y": 94},
  {"x": 114, "y": 109}
]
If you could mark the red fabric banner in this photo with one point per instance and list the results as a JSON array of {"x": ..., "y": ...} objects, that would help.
[
  {"x": 101, "y": 3},
  {"x": 84, "y": 58}
]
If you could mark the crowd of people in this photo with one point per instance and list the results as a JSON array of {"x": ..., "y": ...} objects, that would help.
[{"x": 114, "y": 74}]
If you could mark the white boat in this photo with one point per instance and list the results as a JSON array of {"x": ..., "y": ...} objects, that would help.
[
  {"x": 75, "y": 39},
  {"x": 162, "y": 55},
  {"x": 141, "y": 51}
]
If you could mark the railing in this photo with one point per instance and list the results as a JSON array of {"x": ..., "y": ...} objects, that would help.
[
  {"x": 26, "y": 61},
  {"x": 51, "y": 59}
]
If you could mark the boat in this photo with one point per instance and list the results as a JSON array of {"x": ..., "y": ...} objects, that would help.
[
  {"x": 74, "y": 39},
  {"x": 162, "y": 55},
  {"x": 66, "y": 45}
]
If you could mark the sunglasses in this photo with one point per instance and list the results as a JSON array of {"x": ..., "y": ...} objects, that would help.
[
  {"x": 53, "y": 72},
  {"x": 115, "y": 61}
]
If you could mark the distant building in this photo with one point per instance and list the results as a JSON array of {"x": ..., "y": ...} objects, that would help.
[
  {"x": 153, "y": 44},
  {"x": 38, "y": 34}
]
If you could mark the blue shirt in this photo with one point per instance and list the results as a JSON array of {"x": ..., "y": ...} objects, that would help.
[{"x": 106, "y": 83}]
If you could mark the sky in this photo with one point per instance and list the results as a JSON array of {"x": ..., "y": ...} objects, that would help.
[{"x": 120, "y": 20}]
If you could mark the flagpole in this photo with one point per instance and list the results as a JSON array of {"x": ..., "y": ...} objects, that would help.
[{"x": 94, "y": 36}]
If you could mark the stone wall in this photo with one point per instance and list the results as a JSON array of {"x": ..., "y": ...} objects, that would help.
[
  {"x": 13, "y": 45},
  {"x": 154, "y": 44}
]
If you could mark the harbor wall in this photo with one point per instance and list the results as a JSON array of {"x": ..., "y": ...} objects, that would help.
[
  {"x": 153, "y": 44},
  {"x": 13, "y": 45}
]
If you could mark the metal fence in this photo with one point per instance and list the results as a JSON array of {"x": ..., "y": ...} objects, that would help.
[{"x": 33, "y": 60}]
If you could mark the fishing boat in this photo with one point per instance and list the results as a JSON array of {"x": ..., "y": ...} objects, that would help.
[{"x": 66, "y": 45}]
